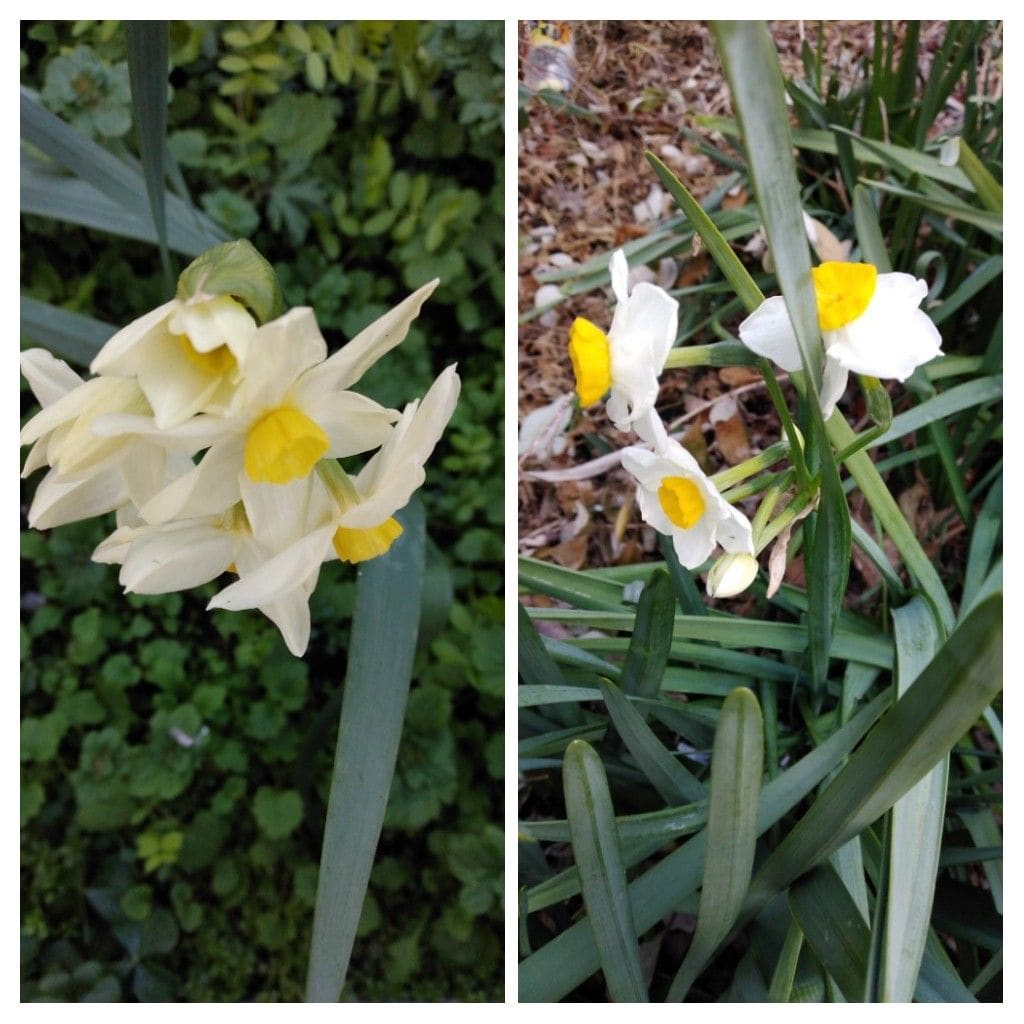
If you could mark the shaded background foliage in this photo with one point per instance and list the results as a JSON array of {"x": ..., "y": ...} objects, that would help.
[{"x": 176, "y": 762}]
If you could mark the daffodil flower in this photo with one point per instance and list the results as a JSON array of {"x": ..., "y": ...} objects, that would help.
[
  {"x": 678, "y": 500},
  {"x": 628, "y": 360},
  {"x": 185, "y": 356},
  {"x": 870, "y": 323},
  {"x": 351, "y": 518},
  {"x": 290, "y": 410}
]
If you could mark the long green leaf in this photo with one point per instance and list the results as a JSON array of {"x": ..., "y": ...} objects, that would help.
[
  {"x": 556, "y": 969},
  {"x": 947, "y": 698},
  {"x": 833, "y": 928},
  {"x": 535, "y": 664},
  {"x": 72, "y": 336},
  {"x": 146, "y": 47},
  {"x": 755, "y": 80},
  {"x": 915, "y": 840},
  {"x": 673, "y": 782},
  {"x": 595, "y": 846},
  {"x": 737, "y": 763},
  {"x": 100, "y": 177},
  {"x": 381, "y": 650},
  {"x": 651, "y": 639}
]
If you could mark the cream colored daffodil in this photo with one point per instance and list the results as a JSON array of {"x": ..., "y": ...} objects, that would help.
[
  {"x": 186, "y": 356},
  {"x": 870, "y": 323},
  {"x": 678, "y": 500},
  {"x": 290, "y": 410},
  {"x": 628, "y": 360},
  {"x": 351, "y": 518}
]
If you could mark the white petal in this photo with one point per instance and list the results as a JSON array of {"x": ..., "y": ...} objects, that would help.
[
  {"x": 176, "y": 388},
  {"x": 833, "y": 384},
  {"x": 892, "y": 337},
  {"x": 123, "y": 354},
  {"x": 280, "y": 514},
  {"x": 347, "y": 365},
  {"x": 769, "y": 333},
  {"x": 694, "y": 546},
  {"x": 114, "y": 549},
  {"x": 650, "y": 428},
  {"x": 620, "y": 276},
  {"x": 733, "y": 530},
  {"x": 176, "y": 557},
  {"x": 48, "y": 377}
]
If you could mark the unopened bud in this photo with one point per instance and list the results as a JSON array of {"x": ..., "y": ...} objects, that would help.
[{"x": 731, "y": 575}]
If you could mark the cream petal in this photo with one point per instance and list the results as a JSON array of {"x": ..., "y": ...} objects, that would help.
[
  {"x": 280, "y": 352},
  {"x": 124, "y": 353},
  {"x": 280, "y": 514},
  {"x": 286, "y": 571},
  {"x": 210, "y": 323},
  {"x": 58, "y": 501},
  {"x": 391, "y": 494},
  {"x": 37, "y": 458},
  {"x": 208, "y": 489},
  {"x": 290, "y": 613},
  {"x": 114, "y": 549},
  {"x": 769, "y": 333},
  {"x": 348, "y": 364},
  {"x": 353, "y": 423},
  {"x": 178, "y": 556},
  {"x": 176, "y": 388},
  {"x": 49, "y": 378}
]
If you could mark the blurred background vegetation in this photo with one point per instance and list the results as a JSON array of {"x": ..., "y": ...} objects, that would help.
[{"x": 175, "y": 762}]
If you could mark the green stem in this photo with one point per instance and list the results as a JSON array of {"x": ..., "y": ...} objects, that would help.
[
  {"x": 719, "y": 353},
  {"x": 736, "y": 474}
]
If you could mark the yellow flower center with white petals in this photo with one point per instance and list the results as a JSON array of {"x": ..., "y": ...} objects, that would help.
[
  {"x": 843, "y": 291},
  {"x": 283, "y": 445},
  {"x": 214, "y": 362},
  {"x": 359, "y": 545},
  {"x": 681, "y": 501},
  {"x": 591, "y": 360}
]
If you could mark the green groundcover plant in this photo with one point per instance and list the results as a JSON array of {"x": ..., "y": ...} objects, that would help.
[
  {"x": 799, "y": 801},
  {"x": 184, "y": 836}
]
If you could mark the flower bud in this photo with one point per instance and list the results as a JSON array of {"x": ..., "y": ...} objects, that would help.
[{"x": 731, "y": 575}]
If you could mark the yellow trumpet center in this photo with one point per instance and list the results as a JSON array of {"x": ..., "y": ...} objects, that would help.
[
  {"x": 214, "y": 362},
  {"x": 283, "y": 445},
  {"x": 359, "y": 545},
  {"x": 591, "y": 360},
  {"x": 843, "y": 291},
  {"x": 681, "y": 501}
]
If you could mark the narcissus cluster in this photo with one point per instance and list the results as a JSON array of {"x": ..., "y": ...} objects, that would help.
[{"x": 216, "y": 441}]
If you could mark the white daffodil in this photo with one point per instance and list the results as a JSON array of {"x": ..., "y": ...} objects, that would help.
[
  {"x": 351, "y": 518},
  {"x": 185, "y": 355},
  {"x": 678, "y": 500},
  {"x": 290, "y": 410},
  {"x": 629, "y": 358},
  {"x": 870, "y": 323}
]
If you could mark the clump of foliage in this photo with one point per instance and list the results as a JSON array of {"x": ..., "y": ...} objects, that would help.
[{"x": 176, "y": 763}]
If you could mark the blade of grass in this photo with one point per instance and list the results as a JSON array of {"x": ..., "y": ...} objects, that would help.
[
  {"x": 737, "y": 763},
  {"x": 595, "y": 846},
  {"x": 381, "y": 650}
]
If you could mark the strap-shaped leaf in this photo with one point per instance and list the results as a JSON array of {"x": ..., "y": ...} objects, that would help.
[
  {"x": 595, "y": 846},
  {"x": 737, "y": 762},
  {"x": 383, "y": 642}
]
